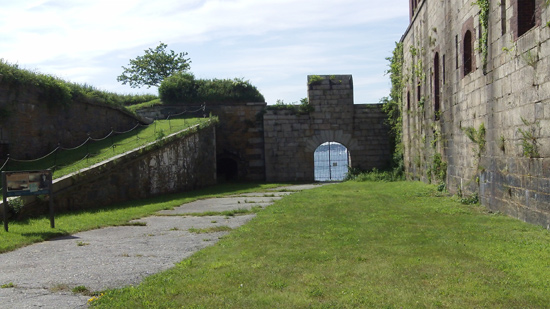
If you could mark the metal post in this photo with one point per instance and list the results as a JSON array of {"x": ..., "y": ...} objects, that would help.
[
  {"x": 329, "y": 162},
  {"x": 88, "y": 148},
  {"x": 112, "y": 139},
  {"x": 50, "y": 187},
  {"x": 55, "y": 156}
]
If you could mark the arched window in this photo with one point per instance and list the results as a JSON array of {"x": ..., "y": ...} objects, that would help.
[
  {"x": 436, "y": 84},
  {"x": 526, "y": 15},
  {"x": 467, "y": 52}
]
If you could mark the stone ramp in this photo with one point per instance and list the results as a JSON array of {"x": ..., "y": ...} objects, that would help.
[{"x": 44, "y": 274}]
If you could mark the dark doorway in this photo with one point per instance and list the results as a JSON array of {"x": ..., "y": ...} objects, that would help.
[{"x": 227, "y": 169}]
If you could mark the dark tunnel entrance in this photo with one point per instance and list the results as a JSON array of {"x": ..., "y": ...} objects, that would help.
[{"x": 227, "y": 169}]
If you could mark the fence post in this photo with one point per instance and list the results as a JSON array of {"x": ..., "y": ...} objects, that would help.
[
  {"x": 87, "y": 148},
  {"x": 55, "y": 156},
  {"x": 112, "y": 140}
]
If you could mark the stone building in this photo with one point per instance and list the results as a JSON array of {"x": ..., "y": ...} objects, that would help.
[
  {"x": 476, "y": 95},
  {"x": 291, "y": 139},
  {"x": 254, "y": 142}
]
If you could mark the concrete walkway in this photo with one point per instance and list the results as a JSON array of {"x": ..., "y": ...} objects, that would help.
[{"x": 44, "y": 274}]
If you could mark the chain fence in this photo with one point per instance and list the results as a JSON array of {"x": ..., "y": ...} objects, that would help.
[{"x": 63, "y": 157}]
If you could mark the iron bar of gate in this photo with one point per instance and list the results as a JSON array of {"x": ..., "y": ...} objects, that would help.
[{"x": 329, "y": 161}]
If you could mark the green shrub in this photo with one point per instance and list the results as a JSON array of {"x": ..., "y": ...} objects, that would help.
[
  {"x": 303, "y": 108},
  {"x": 183, "y": 88},
  {"x": 355, "y": 174}
]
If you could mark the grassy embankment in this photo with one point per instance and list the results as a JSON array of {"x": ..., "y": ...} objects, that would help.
[
  {"x": 356, "y": 245},
  {"x": 68, "y": 161}
]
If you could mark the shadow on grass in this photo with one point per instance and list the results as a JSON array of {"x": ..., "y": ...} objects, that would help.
[
  {"x": 214, "y": 191},
  {"x": 100, "y": 217},
  {"x": 57, "y": 235}
]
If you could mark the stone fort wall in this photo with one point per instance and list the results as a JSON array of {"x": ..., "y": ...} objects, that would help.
[
  {"x": 182, "y": 161},
  {"x": 291, "y": 139},
  {"x": 487, "y": 120},
  {"x": 30, "y": 128},
  {"x": 239, "y": 136}
]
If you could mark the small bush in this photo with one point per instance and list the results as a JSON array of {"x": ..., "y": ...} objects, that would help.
[
  {"x": 81, "y": 290},
  {"x": 314, "y": 80},
  {"x": 375, "y": 175},
  {"x": 183, "y": 88},
  {"x": 303, "y": 108},
  {"x": 470, "y": 200}
]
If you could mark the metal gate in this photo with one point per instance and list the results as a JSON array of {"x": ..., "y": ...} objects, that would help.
[{"x": 331, "y": 161}]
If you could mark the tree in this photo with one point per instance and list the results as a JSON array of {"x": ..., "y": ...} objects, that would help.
[{"x": 153, "y": 67}]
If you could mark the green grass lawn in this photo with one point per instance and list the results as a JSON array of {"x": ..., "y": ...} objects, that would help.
[{"x": 356, "y": 245}]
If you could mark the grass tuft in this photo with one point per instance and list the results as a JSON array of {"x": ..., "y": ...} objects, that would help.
[{"x": 213, "y": 229}]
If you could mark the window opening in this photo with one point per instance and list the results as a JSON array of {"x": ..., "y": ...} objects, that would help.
[
  {"x": 443, "y": 69},
  {"x": 436, "y": 86},
  {"x": 526, "y": 16},
  {"x": 503, "y": 16},
  {"x": 467, "y": 52},
  {"x": 456, "y": 51},
  {"x": 331, "y": 160}
]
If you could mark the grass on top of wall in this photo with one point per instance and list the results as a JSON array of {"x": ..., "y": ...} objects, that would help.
[
  {"x": 65, "y": 162},
  {"x": 359, "y": 245},
  {"x": 136, "y": 107}
]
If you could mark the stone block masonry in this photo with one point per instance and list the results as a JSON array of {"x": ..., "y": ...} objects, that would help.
[
  {"x": 30, "y": 128},
  {"x": 491, "y": 128},
  {"x": 239, "y": 135},
  {"x": 180, "y": 162},
  {"x": 291, "y": 139}
]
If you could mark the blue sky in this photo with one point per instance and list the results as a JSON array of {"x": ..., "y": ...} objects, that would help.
[{"x": 274, "y": 44}]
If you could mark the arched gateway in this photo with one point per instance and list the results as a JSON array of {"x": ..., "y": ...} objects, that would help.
[
  {"x": 291, "y": 138},
  {"x": 253, "y": 143},
  {"x": 331, "y": 160}
]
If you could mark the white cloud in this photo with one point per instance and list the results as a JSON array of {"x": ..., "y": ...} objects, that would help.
[{"x": 274, "y": 43}]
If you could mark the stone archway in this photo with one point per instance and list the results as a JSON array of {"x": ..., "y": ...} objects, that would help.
[
  {"x": 331, "y": 162},
  {"x": 292, "y": 137}
]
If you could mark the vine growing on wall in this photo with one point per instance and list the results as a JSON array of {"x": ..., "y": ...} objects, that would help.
[
  {"x": 484, "y": 39},
  {"x": 478, "y": 137},
  {"x": 529, "y": 140},
  {"x": 393, "y": 104}
]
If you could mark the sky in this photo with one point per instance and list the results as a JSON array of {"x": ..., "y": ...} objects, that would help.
[{"x": 274, "y": 44}]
